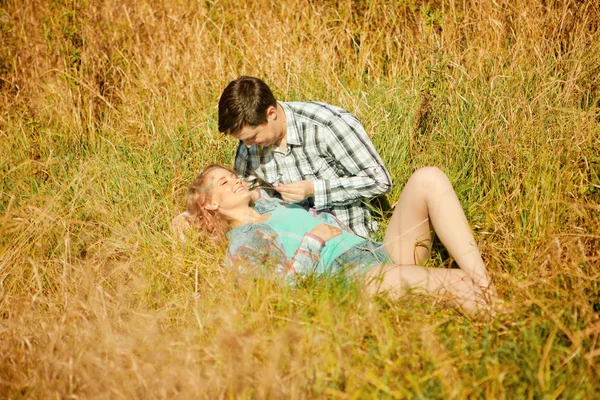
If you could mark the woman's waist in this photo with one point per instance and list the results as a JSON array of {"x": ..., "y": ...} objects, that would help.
[
  {"x": 366, "y": 252},
  {"x": 339, "y": 245}
]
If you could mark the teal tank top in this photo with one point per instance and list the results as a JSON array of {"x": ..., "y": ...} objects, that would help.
[{"x": 292, "y": 222}]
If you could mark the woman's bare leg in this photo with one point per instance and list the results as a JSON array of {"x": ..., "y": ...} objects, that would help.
[
  {"x": 453, "y": 283},
  {"x": 428, "y": 197}
]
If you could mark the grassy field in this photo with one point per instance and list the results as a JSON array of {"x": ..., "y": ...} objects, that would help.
[{"x": 108, "y": 111}]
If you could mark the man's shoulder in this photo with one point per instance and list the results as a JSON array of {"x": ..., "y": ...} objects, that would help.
[
  {"x": 252, "y": 153},
  {"x": 316, "y": 112}
]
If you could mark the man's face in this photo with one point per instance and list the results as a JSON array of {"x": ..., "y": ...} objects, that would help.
[{"x": 264, "y": 135}]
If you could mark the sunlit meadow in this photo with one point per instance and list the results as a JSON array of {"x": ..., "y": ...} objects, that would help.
[{"x": 108, "y": 111}]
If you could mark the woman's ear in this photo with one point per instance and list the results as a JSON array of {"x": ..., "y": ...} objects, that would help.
[{"x": 210, "y": 206}]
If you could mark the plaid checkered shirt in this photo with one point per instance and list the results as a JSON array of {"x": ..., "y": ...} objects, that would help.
[{"x": 328, "y": 146}]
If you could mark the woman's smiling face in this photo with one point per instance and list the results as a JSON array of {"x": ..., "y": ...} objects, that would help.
[{"x": 227, "y": 190}]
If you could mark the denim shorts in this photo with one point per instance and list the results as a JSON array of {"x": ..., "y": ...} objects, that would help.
[{"x": 361, "y": 258}]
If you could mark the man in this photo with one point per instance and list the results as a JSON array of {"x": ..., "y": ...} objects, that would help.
[{"x": 311, "y": 153}]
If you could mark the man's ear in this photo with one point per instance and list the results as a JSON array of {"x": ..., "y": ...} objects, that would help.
[{"x": 271, "y": 112}]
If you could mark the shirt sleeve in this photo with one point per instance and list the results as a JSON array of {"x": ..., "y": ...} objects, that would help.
[
  {"x": 243, "y": 157},
  {"x": 365, "y": 176},
  {"x": 262, "y": 252}
]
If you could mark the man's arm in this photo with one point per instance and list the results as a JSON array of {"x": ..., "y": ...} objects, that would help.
[
  {"x": 349, "y": 146},
  {"x": 241, "y": 168}
]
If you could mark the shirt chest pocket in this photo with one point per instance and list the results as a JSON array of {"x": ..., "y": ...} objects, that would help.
[
  {"x": 295, "y": 166},
  {"x": 314, "y": 167}
]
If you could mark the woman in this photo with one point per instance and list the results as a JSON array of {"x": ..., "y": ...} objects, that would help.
[{"x": 265, "y": 232}]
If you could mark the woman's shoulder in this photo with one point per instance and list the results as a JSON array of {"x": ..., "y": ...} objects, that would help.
[
  {"x": 250, "y": 236},
  {"x": 265, "y": 202}
]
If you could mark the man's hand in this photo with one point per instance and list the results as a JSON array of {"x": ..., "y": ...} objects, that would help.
[
  {"x": 297, "y": 191},
  {"x": 325, "y": 231}
]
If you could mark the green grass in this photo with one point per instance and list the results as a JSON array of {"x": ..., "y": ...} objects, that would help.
[{"x": 108, "y": 111}]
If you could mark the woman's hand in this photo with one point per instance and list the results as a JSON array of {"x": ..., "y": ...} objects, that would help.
[{"x": 325, "y": 231}]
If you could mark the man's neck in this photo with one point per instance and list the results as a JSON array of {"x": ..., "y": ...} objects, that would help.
[{"x": 282, "y": 119}]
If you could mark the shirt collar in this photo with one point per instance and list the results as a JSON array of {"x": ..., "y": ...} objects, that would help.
[{"x": 292, "y": 133}]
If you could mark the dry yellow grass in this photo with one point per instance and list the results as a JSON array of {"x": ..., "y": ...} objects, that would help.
[{"x": 108, "y": 110}]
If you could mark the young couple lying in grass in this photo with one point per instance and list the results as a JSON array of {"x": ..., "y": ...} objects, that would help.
[
  {"x": 265, "y": 232},
  {"x": 320, "y": 157}
]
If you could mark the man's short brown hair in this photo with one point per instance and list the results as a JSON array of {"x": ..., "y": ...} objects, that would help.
[{"x": 244, "y": 102}]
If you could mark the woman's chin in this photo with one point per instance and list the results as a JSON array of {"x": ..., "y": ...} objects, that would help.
[{"x": 244, "y": 197}]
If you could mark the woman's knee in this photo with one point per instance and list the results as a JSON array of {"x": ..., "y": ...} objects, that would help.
[{"x": 428, "y": 177}]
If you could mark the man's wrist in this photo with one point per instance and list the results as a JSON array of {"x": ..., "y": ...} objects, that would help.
[
  {"x": 311, "y": 191},
  {"x": 321, "y": 197}
]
